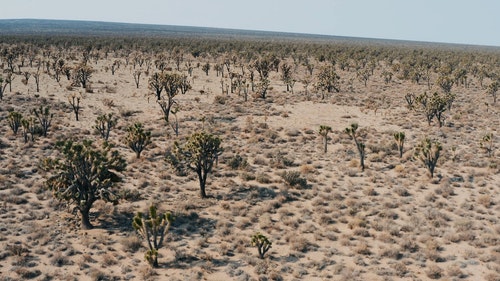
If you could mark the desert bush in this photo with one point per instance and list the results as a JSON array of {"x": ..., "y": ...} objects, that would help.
[
  {"x": 220, "y": 99},
  {"x": 434, "y": 272},
  {"x": 237, "y": 162},
  {"x": 293, "y": 178}
]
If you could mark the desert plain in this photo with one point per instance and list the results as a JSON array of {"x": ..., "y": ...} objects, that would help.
[{"x": 332, "y": 221}]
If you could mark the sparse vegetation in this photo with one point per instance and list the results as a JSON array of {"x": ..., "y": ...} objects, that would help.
[{"x": 327, "y": 220}]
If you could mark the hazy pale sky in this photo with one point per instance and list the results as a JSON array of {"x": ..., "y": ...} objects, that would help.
[{"x": 453, "y": 21}]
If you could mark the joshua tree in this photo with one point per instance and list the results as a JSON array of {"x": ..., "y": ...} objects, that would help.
[
  {"x": 486, "y": 143},
  {"x": 445, "y": 83},
  {"x": 434, "y": 106},
  {"x": 36, "y": 75},
  {"x": 428, "y": 152},
  {"x": 263, "y": 66},
  {"x": 3, "y": 85},
  {"x": 410, "y": 100},
  {"x": 29, "y": 128},
  {"x": 363, "y": 75},
  {"x": 104, "y": 123},
  {"x": 262, "y": 243},
  {"x": 82, "y": 74},
  {"x": 206, "y": 68},
  {"x": 44, "y": 118},
  {"x": 387, "y": 75},
  {"x": 26, "y": 79},
  {"x": 399, "y": 137},
  {"x": 83, "y": 175},
  {"x": 199, "y": 154},
  {"x": 156, "y": 84},
  {"x": 14, "y": 120},
  {"x": 74, "y": 101},
  {"x": 137, "y": 78},
  {"x": 493, "y": 89},
  {"x": 352, "y": 132},
  {"x": 172, "y": 83},
  {"x": 137, "y": 139},
  {"x": 323, "y": 132},
  {"x": 286, "y": 75},
  {"x": 153, "y": 229},
  {"x": 328, "y": 81}
]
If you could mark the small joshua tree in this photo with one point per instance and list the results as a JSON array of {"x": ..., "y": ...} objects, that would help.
[
  {"x": 137, "y": 78},
  {"x": 44, "y": 118},
  {"x": 104, "y": 123},
  {"x": 428, "y": 152},
  {"x": 493, "y": 89},
  {"x": 486, "y": 143},
  {"x": 82, "y": 74},
  {"x": 351, "y": 131},
  {"x": 29, "y": 128},
  {"x": 74, "y": 101},
  {"x": 206, "y": 68},
  {"x": 199, "y": 154},
  {"x": 262, "y": 243},
  {"x": 84, "y": 174},
  {"x": 399, "y": 137},
  {"x": 137, "y": 139},
  {"x": 323, "y": 131},
  {"x": 14, "y": 120},
  {"x": 153, "y": 229}
]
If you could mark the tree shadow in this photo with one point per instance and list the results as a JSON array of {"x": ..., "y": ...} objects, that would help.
[
  {"x": 251, "y": 194},
  {"x": 121, "y": 222},
  {"x": 191, "y": 224}
]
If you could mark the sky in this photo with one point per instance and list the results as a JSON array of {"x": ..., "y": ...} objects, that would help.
[{"x": 475, "y": 22}]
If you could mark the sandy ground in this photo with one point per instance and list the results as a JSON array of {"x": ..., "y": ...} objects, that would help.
[{"x": 389, "y": 222}]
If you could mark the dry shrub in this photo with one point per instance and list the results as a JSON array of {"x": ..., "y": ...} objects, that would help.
[
  {"x": 455, "y": 271},
  {"x": 484, "y": 200},
  {"x": 109, "y": 103},
  {"x": 362, "y": 249},
  {"x": 399, "y": 168},
  {"x": 131, "y": 243},
  {"x": 25, "y": 273},
  {"x": 108, "y": 259},
  {"x": 434, "y": 272},
  {"x": 307, "y": 169},
  {"x": 400, "y": 269},
  {"x": 220, "y": 99}
]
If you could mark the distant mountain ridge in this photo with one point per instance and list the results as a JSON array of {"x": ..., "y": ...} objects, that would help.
[
  {"x": 45, "y": 27},
  {"x": 98, "y": 28}
]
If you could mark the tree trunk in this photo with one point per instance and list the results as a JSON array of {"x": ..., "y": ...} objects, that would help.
[
  {"x": 325, "y": 140},
  {"x": 203, "y": 181},
  {"x": 85, "y": 221},
  {"x": 155, "y": 262}
]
